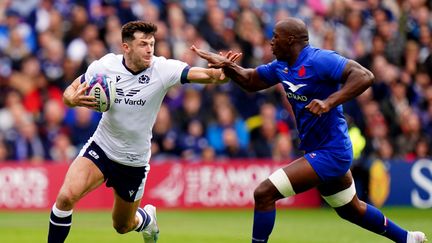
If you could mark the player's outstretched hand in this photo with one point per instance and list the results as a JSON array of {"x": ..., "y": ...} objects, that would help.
[
  {"x": 317, "y": 107},
  {"x": 232, "y": 56},
  {"x": 79, "y": 98},
  {"x": 215, "y": 60}
]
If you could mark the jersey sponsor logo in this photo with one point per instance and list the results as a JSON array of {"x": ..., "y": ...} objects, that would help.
[
  {"x": 293, "y": 88},
  {"x": 296, "y": 97},
  {"x": 118, "y": 78},
  {"x": 144, "y": 79},
  {"x": 131, "y": 192},
  {"x": 93, "y": 154},
  {"x": 120, "y": 92},
  {"x": 128, "y": 101},
  {"x": 127, "y": 98},
  {"x": 131, "y": 92}
]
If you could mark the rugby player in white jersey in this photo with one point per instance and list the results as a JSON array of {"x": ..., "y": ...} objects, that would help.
[{"x": 118, "y": 153}]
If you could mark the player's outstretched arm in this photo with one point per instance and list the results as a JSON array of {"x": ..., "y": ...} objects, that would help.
[
  {"x": 247, "y": 78},
  {"x": 74, "y": 95},
  {"x": 211, "y": 75},
  {"x": 355, "y": 78},
  {"x": 206, "y": 76}
]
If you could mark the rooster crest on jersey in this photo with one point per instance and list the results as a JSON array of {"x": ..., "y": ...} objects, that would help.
[{"x": 101, "y": 87}]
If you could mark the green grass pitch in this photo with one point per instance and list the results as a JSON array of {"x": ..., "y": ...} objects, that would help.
[{"x": 211, "y": 226}]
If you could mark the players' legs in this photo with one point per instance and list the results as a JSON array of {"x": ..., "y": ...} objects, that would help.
[
  {"x": 341, "y": 195},
  {"x": 128, "y": 183},
  {"x": 127, "y": 216},
  {"x": 297, "y": 177},
  {"x": 124, "y": 215},
  {"x": 82, "y": 177}
]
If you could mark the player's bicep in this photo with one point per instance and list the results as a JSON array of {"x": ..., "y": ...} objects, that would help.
[
  {"x": 249, "y": 79},
  {"x": 266, "y": 74},
  {"x": 258, "y": 82},
  {"x": 353, "y": 68}
]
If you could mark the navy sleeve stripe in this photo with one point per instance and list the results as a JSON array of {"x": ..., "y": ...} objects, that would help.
[
  {"x": 83, "y": 78},
  {"x": 184, "y": 74}
]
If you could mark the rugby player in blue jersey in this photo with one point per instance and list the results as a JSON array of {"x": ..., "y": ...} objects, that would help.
[{"x": 316, "y": 83}]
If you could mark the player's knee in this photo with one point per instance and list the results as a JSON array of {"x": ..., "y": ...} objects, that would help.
[
  {"x": 66, "y": 200},
  {"x": 276, "y": 187},
  {"x": 261, "y": 192},
  {"x": 342, "y": 198},
  {"x": 346, "y": 204},
  {"x": 281, "y": 183},
  {"x": 122, "y": 227}
]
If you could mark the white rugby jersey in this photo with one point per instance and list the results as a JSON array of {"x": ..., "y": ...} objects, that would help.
[{"x": 125, "y": 130}]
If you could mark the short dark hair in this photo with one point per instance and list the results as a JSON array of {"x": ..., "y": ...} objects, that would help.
[{"x": 129, "y": 29}]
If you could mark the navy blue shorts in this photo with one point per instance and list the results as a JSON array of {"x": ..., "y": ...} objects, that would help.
[
  {"x": 127, "y": 181},
  {"x": 330, "y": 164}
]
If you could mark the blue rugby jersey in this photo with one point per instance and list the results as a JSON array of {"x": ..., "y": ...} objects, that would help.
[{"x": 316, "y": 74}]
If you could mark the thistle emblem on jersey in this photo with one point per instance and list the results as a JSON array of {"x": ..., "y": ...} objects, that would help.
[
  {"x": 285, "y": 70},
  {"x": 144, "y": 79}
]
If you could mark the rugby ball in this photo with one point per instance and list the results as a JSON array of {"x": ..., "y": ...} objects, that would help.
[{"x": 102, "y": 88}]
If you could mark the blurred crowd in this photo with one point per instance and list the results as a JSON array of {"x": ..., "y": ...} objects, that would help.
[{"x": 46, "y": 44}]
